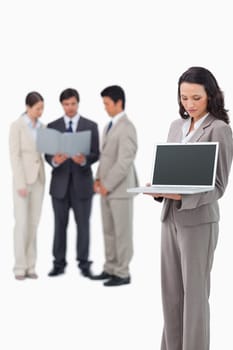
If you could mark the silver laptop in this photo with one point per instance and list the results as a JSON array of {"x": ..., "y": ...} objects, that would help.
[{"x": 182, "y": 168}]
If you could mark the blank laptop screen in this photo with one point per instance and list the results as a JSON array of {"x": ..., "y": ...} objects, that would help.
[{"x": 184, "y": 164}]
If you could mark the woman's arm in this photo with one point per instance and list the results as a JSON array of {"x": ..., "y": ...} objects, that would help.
[{"x": 16, "y": 157}]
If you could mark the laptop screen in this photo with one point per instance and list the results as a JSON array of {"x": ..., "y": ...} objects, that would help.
[{"x": 192, "y": 164}]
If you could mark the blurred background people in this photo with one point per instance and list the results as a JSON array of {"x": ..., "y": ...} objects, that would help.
[
  {"x": 28, "y": 185},
  {"x": 116, "y": 172},
  {"x": 72, "y": 186}
]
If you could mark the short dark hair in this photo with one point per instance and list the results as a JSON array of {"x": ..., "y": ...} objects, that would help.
[
  {"x": 32, "y": 98},
  {"x": 68, "y": 93},
  {"x": 114, "y": 92},
  {"x": 202, "y": 76}
]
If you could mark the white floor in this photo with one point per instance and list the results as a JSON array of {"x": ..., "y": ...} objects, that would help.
[{"x": 72, "y": 312}]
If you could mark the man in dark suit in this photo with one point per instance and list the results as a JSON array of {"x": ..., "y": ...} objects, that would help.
[{"x": 72, "y": 186}]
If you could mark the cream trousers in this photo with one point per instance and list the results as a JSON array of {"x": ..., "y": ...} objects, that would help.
[{"x": 27, "y": 211}]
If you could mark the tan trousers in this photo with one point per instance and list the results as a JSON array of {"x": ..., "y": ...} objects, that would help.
[
  {"x": 117, "y": 217},
  {"x": 27, "y": 211}
]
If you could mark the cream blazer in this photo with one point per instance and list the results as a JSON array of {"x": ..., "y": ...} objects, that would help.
[{"x": 27, "y": 164}]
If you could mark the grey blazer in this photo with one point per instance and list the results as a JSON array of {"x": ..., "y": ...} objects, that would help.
[
  {"x": 116, "y": 168},
  {"x": 203, "y": 208}
]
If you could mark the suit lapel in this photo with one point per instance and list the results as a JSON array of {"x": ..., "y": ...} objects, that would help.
[
  {"x": 202, "y": 129},
  {"x": 61, "y": 126},
  {"x": 112, "y": 130},
  {"x": 27, "y": 134},
  {"x": 104, "y": 139},
  {"x": 81, "y": 124}
]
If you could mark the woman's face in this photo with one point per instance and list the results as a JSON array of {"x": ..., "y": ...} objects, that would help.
[
  {"x": 194, "y": 99},
  {"x": 36, "y": 110}
]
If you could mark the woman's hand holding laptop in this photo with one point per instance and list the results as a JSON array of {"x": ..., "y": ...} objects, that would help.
[{"x": 174, "y": 196}]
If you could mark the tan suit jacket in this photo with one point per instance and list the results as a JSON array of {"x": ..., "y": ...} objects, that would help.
[
  {"x": 116, "y": 168},
  {"x": 27, "y": 163},
  {"x": 116, "y": 172},
  {"x": 203, "y": 208}
]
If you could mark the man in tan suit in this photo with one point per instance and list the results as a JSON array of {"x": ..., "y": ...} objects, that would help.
[
  {"x": 28, "y": 185},
  {"x": 116, "y": 172}
]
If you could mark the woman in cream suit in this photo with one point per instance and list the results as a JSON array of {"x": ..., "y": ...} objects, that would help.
[
  {"x": 28, "y": 185},
  {"x": 190, "y": 222}
]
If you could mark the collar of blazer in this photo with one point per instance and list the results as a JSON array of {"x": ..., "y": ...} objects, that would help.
[
  {"x": 175, "y": 132},
  {"x": 114, "y": 128},
  {"x": 81, "y": 124},
  {"x": 202, "y": 129},
  {"x": 26, "y": 131}
]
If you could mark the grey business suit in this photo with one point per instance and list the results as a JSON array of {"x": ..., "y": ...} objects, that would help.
[
  {"x": 189, "y": 238},
  {"x": 116, "y": 171}
]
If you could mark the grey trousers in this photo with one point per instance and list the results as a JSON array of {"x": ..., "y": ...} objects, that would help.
[
  {"x": 186, "y": 262},
  {"x": 117, "y": 217}
]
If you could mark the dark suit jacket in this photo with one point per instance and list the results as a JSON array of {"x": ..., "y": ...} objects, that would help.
[
  {"x": 202, "y": 208},
  {"x": 81, "y": 175}
]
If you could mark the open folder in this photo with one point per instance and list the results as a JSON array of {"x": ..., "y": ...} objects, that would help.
[{"x": 51, "y": 141}]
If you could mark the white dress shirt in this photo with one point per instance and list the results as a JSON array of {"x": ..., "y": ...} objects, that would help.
[
  {"x": 186, "y": 135},
  {"x": 74, "y": 120}
]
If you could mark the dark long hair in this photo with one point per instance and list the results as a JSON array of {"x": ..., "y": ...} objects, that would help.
[{"x": 202, "y": 76}]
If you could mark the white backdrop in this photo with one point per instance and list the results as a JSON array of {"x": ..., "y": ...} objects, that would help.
[{"x": 144, "y": 46}]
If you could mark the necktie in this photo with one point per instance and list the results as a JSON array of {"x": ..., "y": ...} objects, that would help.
[
  {"x": 109, "y": 127},
  {"x": 69, "y": 129}
]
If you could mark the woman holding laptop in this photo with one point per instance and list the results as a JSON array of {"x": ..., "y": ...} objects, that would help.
[{"x": 190, "y": 221}]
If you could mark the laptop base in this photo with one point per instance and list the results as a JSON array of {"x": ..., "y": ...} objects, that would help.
[{"x": 178, "y": 190}]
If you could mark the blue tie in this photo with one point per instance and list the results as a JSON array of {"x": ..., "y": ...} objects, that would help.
[
  {"x": 109, "y": 127},
  {"x": 69, "y": 129}
]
